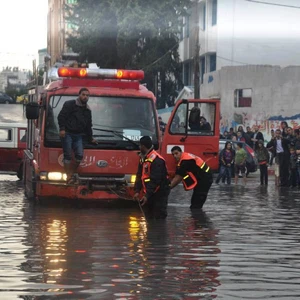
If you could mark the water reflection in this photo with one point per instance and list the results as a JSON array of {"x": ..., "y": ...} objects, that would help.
[
  {"x": 111, "y": 254},
  {"x": 245, "y": 245}
]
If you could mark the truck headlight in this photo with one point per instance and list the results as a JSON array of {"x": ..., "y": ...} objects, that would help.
[
  {"x": 56, "y": 176},
  {"x": 132, "y": 178}
]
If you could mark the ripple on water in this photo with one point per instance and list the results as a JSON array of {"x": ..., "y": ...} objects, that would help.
[{"x": 244, "y": 246}]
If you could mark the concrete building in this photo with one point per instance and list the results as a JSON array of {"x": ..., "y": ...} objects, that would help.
[
  {"x": 255, "y": 95},
  {"x": 42, "y": 53},
  {"x": 13, "y": 76},
  {"x": 239, "y": 32},
  {"x": 58, "y": 29}
]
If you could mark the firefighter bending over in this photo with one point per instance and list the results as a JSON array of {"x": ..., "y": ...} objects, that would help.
[
  {"x": 194, "y": 174},
  {"x": 152, "y": 178},
  {"x": 75, "y": 121}
]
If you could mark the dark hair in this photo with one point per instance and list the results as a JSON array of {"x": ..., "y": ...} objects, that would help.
[
  {"x": 240, "y": 145},
  {"x": 146, "y": 141},
  {"x": 194, "y": 115},
  {"x": 228, "y": 142},
  {"x": 83, "y": 90},
  {"x": 176, "y": 148}
]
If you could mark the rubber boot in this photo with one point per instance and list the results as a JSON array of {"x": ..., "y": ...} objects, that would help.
[
  {"x": 68, "y": 170},
  {"x": 74, "y": 171}
]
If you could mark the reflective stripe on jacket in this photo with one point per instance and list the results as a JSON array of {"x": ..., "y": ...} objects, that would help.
[
  {"x": 189, "y": 180},
  {"x": 146, "y": 168}
]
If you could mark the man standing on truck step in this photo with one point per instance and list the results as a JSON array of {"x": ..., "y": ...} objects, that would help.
[
  {"x": 75, "y": 121},
  {"x": 152, "y": 178},
  {"x": 194, "y": 174}
]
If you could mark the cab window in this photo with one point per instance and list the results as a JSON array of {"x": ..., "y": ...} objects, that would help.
[
  {"x": 5, "y": 135},
  {"x": 194, "y": 119}
]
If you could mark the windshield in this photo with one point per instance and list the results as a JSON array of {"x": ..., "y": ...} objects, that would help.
[{"x": 119, "y": 118}]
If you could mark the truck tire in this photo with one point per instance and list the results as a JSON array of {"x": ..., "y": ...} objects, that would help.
[{"x": 20, "y": 172}]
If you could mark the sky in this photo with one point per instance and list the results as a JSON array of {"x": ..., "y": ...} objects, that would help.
[{"x": 23, "y": 31}]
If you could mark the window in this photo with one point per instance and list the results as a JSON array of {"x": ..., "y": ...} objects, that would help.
[
  {"x": 131, "y": 117},
  {"x": 22, "y": 135},
  {"x": 212, "y": 62},
  {"x": 186, "y": 73},
  {"x": 203, "y": 15},
  {"x": 202, "y": 68},
  {"x": 5, "y": 135},
  {"x": 243, "y": 98},
  {"x": 187, "y": 26},
  {"x": 214, "y": 12},
  {"x": 194, "y": 120}
]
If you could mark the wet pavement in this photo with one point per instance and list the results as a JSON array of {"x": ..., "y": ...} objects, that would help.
[
  {"x": 12, "y": 113},
  {"x": 244, "y": 245}
]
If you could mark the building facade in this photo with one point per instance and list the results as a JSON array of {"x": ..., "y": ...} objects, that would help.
[
  {"x": 255, "y": 95},
  {"x": 238, "y": 32},
  {"x": 58, "y": 29},
  {"x": 13, "y": 77}
]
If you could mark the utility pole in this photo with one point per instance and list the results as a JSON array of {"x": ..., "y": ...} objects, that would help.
[{"x": 197, "y": 58}]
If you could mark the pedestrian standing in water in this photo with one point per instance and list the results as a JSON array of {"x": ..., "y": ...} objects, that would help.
[
  {"x": 240, "y": 163},
  {"x": 226, "y": 161},
  {"x": 263, "y": 158}
]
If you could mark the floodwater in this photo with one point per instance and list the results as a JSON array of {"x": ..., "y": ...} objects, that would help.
[{"x": 244, "y": 245}]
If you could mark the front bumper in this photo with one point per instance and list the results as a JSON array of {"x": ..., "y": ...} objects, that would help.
[{"x": 93, "y": 188}]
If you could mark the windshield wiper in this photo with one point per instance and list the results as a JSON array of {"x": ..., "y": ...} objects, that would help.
[{"x": 119, "y": 134}]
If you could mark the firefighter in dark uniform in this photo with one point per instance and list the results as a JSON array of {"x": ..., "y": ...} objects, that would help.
[
  {"x": 194, "y": 174},
  {"x": 152, "y": 178}
]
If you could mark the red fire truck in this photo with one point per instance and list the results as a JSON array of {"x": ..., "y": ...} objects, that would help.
[{"x": 123, "y": 110}]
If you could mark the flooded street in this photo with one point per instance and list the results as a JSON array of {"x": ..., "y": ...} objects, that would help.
[{"x": 245, "y": 245}]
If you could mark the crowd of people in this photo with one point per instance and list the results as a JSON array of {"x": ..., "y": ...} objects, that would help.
[{"x": 282, "y": 151}]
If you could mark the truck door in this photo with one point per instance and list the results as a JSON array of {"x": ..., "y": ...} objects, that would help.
[{"x": 193, "y": 126}]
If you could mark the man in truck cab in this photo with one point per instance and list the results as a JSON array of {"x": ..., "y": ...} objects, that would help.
[
  {"x": 152, "y": 178},
  {"x": 75, "y": 121},
  {"x": 194, "y": 174}
]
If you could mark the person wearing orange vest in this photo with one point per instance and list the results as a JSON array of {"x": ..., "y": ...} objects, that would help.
[
  {"x": 194, "y": 173},
  {"x": 152, "y": 179}
]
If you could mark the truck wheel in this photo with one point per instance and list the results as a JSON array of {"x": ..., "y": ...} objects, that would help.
[
  {"x": 20, "y": 172},
  {"x": 33, "y": 198}
]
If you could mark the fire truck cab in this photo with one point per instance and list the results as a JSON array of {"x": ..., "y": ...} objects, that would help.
[{"x": 123, "y": 111}]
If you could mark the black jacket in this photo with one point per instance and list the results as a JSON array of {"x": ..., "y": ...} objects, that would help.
[
  {"x": 75, "y": 119},
  {"x": 272, "y": 146},
  {"x": 158, "y": 176},
  {"x": 259, "y": 136}
]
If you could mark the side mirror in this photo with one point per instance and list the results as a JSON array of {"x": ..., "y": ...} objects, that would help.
[{"x": 32, "y": 111}]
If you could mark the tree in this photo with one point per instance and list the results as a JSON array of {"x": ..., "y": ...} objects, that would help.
[{"x": 132, "y": 34}]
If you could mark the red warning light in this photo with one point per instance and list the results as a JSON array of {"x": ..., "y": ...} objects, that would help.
[
  {"x": 72, "y": 72},
  {"x": 130, "y": 74}
]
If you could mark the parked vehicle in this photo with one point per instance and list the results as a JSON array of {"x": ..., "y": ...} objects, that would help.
[
  {"x": 251, "y": 162},
  {"x": 23, "y": 99},
  {"x": 12, "y": 145},
  {"x": 6, "y": 99}
]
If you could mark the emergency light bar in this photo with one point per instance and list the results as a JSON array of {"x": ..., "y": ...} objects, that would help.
[{"x": 100, "y": 73}]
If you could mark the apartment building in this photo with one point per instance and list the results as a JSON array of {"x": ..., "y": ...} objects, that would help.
[
  {"x": 58, "y": 28},
  {"x": 239, "y": 32}
]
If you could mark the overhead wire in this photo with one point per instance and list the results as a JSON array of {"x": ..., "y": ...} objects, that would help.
[{"x": 274, "y": 4}]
